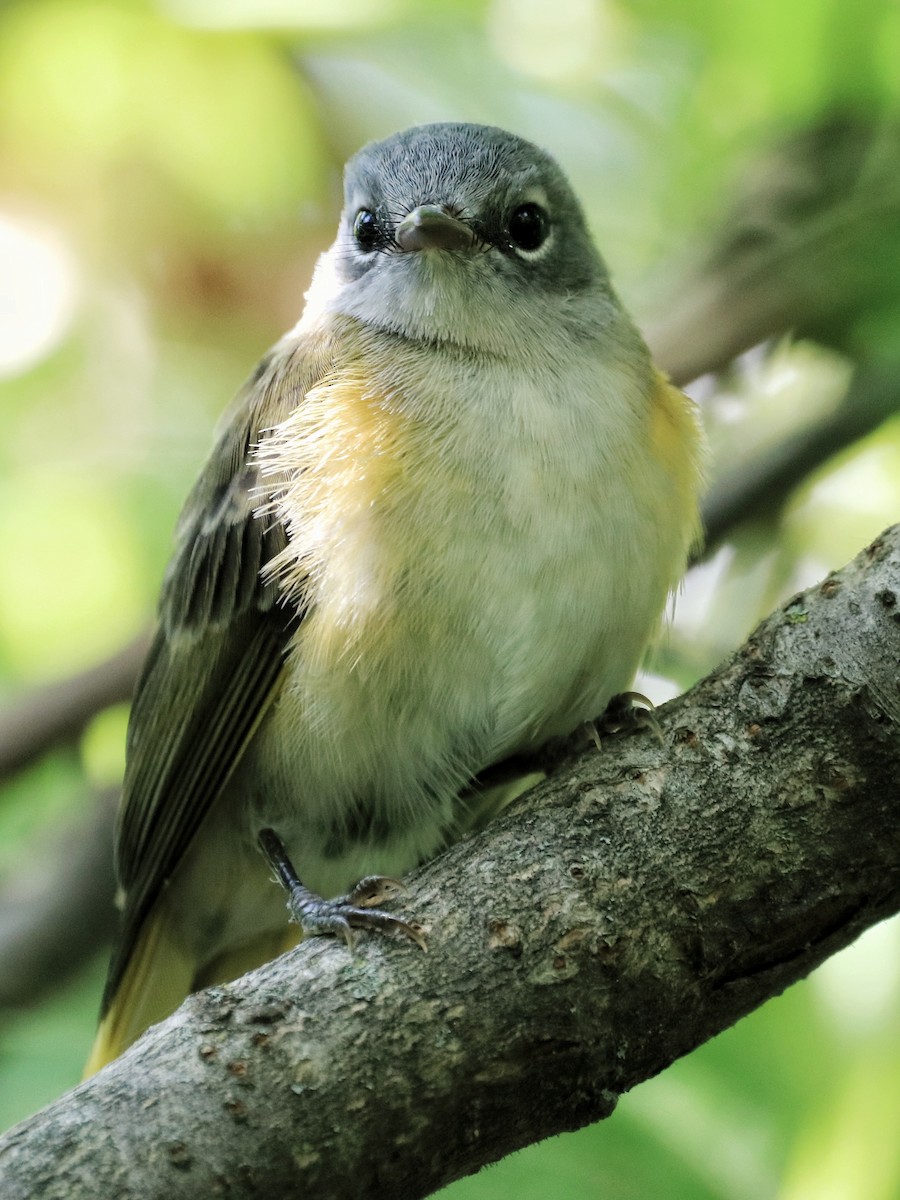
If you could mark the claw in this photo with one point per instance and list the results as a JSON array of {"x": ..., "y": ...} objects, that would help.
[
  {"x": 374, "y": 889},
  {"x": 340, "y": 916},
  {"x": 627, "y": 712}
]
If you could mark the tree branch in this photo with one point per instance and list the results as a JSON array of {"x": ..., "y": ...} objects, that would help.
[
  {"x": 58, "y": 712},
  {"x": 57, "y": 908},
  {"x": 761, "y": 484},
  {"x": 810, "y": 244},
  {"x": 631, "y": 907}
]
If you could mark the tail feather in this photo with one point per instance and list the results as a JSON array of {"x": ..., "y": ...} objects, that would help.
[
  {"x": 156, "y": 980},
  {"x": 160, "y": 974}
]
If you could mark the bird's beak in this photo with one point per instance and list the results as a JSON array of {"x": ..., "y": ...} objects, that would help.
[{"x": 430, "y": 227}]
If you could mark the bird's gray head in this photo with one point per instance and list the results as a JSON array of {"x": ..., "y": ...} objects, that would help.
[{"x": 463, "y": 234}]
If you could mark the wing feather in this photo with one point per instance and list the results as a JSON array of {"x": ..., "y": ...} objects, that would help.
[{"x": 215, "y": 663}]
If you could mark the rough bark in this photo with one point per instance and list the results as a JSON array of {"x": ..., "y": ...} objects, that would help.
[{"x": 631, "y": 907}]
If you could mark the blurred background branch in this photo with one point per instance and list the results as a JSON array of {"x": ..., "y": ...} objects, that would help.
[
  {"x": 55, "y": 909},
  {"x": 760, "y": 486},
  {"x": 58, "y": 712}
]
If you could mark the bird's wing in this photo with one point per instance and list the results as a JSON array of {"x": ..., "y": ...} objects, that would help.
[{"x": 214, "y": 665}]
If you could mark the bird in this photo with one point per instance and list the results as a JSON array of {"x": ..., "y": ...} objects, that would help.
[{"x": 438, "y": 528}]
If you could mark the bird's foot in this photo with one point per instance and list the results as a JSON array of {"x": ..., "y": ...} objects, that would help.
[
  {"x": 343, "y": 914},
  {"x": 627, "y": 712}
]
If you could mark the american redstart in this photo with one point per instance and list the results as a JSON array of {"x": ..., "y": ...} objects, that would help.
[{"x": 438, "y": 527}]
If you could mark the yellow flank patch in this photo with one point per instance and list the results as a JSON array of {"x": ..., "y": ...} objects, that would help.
[
  {"x": 343, "y": 472},
  {"x": 676, "y": 441}
]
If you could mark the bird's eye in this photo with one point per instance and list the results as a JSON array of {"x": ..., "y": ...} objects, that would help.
[
  {"x": 528, "y": 227},
  {"x": 366, "y": 230}
]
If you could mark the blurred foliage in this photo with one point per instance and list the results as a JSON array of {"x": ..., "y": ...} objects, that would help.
[{"x": 168, "y": 173}]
